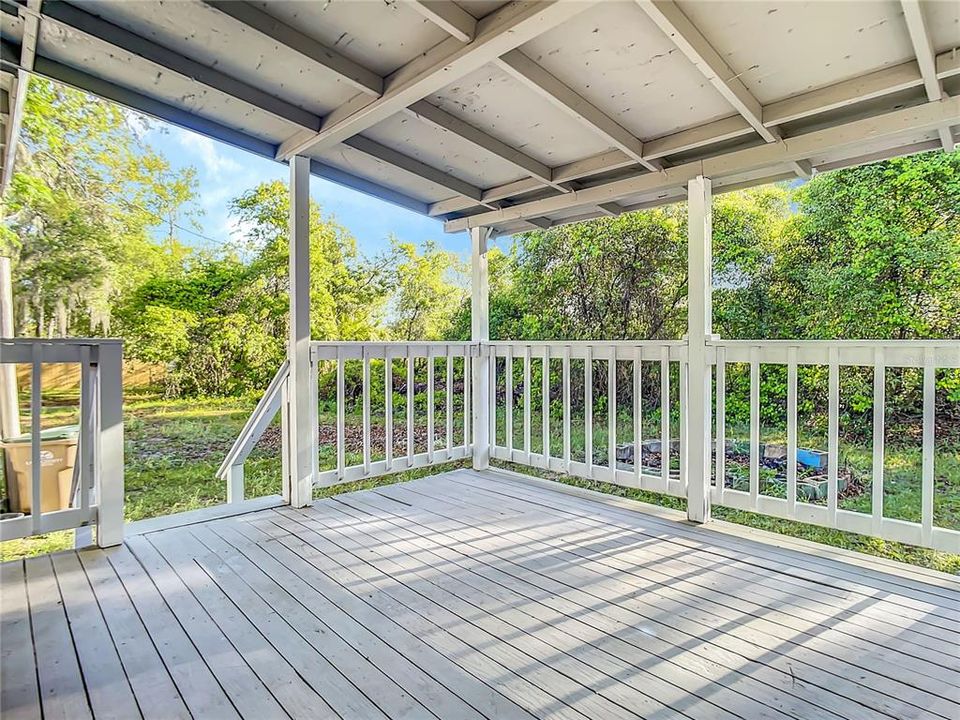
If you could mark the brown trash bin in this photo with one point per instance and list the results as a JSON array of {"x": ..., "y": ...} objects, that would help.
[{"x": 58, "y": 455}]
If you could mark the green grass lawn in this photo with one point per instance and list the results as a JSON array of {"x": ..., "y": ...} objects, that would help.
[{"x": 174, "y": 447}]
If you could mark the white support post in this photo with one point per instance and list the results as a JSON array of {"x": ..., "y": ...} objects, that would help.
[
  {"x": 108, "y": 477},
  {"x": 699, "y": 327},
  {"x": 303, "y": 410},
  {"x": 480, "y": 333}
]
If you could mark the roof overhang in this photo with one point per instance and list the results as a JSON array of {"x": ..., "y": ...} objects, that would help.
[{"x": 514, "y": 115}]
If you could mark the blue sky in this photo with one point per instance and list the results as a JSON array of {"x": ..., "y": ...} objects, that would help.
[{"x": 224, "y": 172}]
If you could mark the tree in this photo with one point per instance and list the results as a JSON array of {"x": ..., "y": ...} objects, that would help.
[
  {"x": 875, "y": 252},
  {"x": 80, "y": 210},
  {"x": 428, "y": 289}
]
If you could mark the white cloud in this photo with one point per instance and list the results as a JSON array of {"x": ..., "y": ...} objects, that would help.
[{"x": 216, "y": 165}]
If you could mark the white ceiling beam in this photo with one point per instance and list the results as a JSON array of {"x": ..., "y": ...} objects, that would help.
[
  {"x": 610, "y": 209},
  {"x": 521, "y": 67},
  {"x": 414, "y": 167},
  {"x": 809, "y": 104},
  {"x": 926, "y": 59},
  {"x": 691, "y": 42},
  {"x": 450, "y": 123},
  {"x": 907, "y": 120},
  {"x": 18, "y": 89},
  {"x": 802, "y": 168},
  {"x": 95, "y": 27},
  {"x": 447, "y": 16},
  {"x": 354, "y": 74},
  {"x": 497, "y": 34}
]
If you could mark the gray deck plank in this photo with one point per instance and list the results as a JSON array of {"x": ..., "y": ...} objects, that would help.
[
  {"x": 672, "y": 685},
  {"x": 327, "y": 665},
  {"x": 156, "y": 694},
  {"x": 247, "y": 693},
  {"x": 389, "y": 679},
  {"x": 746, "y": 687},
  {"x": 659, "y": 619},
  {"x": 195, "y": 683},
  {"x": 906, "y": 592},
  {"x": 382, "y": 625},
  {"x": 771, "y": 594},
  {"x": 747, "y": 635},
  {"x": 472, "y": 595},
  {"x": 19, "y": 694},
  {"x": 624, "y": 699},
  {"x": 289, "y": 689},
  {"x": 62, "y": 693},
  {"x": 487, "y": 658},
  {"x": 107, "y": 686}
]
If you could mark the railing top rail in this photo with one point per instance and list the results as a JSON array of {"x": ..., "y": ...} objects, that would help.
[
  {"x": 60, "y": 341},
  {"x": 589, "y": 343},
  {"x": 389, "y": 343},
  {"x": 835, "y": 343}
]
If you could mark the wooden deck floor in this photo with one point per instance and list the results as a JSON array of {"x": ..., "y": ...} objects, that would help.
[{"x": 472, "y": 595}]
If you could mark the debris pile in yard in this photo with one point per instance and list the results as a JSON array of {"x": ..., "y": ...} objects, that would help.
[{"x": 812, "y": 467}]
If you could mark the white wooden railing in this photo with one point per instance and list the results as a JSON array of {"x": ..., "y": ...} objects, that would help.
[
  {"x": 97, "y": 498},
  {"x": 877, "y": 356},
  {"x": 427, "y": 368},
  {"x": 544, "y": 359},
  {"x": 559, "y": 399}
]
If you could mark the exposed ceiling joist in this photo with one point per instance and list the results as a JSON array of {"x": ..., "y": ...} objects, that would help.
[
  {"x": 442, "y": 119},
  {"x": 18, "y": 90},
  {"x": 497, "y": 34},
  {"x": 413, "y": 166},
  {"x": 448, "y": 16},
  {"x": 354, "y": 74},
  {"x": 610, "y": 209},
  {"x": 926, "y": 59},
  {"x": 913, "y": 119},
  {"x": 190, "y": 121},
  {"x": 691, "y": 42},
  {"x": 535, "y": 77},
  {"x": 802, "y": 168},
  {"x": 173, "y": 61}
]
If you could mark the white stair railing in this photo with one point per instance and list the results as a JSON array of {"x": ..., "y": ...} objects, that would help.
[
  {"x": 97, "y": 483},
  {"x": 272, "y": 401}
]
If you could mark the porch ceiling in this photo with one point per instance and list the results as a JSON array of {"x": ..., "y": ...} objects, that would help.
[{"x": 522, "y": 114}]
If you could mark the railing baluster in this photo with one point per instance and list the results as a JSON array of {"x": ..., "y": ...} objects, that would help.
[
  {"x": 431, "y": 402},
  {"x": 879, "y": 400},
  {"x": 833, "y": 433},
  {"x": 388, "y": 408},
  {"x": 682, "y": 372},
  {"x": 929, "y": 428},
  {"x": 792, "y": 432},
  {"x": 545, "y": 405},
  {"x": 508, "y": 398},
  {"x": 566, "y": 408},
  {"x": 754, "y": 426},
  {"x": 410, "y": 400},
  {"x": 341, "y": 415},
  {"x": 612, "y": 411},
  {"x": 588, "y": 410},
  {"x": 467, "y": 390},
  {"x": 87, "y": 459},
  {"x": 366, "y": 410},
  {"x": 721, "y": 446},
  {"x": 637, "y": 413},
  {"x": 665, "y": 417},
  {"x": 526, "y": 403},
  {"x": 492, "y": 414},
  {"x": 448, "y": 413},
  {"x": 36, "y": 501}
]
